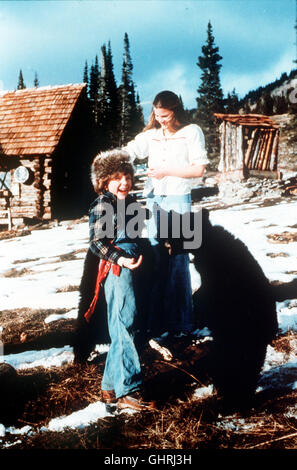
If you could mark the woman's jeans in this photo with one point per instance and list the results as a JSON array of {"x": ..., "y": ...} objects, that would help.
[
  {"x": 171, "y": 299},
  {"x": 122, "y": 371}
]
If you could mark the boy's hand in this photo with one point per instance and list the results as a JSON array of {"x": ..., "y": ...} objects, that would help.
[{"x": 130, "y": 263}]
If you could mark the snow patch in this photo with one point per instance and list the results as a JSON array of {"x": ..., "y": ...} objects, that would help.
[{"x": 79, "y": 419}]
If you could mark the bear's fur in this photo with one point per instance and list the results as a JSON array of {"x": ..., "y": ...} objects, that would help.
[
  {"x": 87, "y": 335},
  {"x": 237, "y": 303}
]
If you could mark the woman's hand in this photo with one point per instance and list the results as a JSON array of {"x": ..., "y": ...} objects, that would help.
[
  {"x": 130, "y": 263},
  {"x": 190, "y": 171},
  {"x": 158, "y": 172}
]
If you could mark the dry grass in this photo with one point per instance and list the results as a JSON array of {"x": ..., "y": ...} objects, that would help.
[
  {"x": 69, "y": 288},
  {"x": 17, "y": 272},
  {"x": 276, "y": 255},
  {"x": 284, "y": 237},
  {"x": 181, "y": 421},
  {"x": 25, "y": 329}
]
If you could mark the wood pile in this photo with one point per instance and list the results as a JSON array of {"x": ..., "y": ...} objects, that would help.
[{"x": 248, "y": 142}]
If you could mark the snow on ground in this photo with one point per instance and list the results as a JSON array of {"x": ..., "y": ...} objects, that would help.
[
  {"x": 252, "y": 225},
  {"x": 39, "y": 253}
]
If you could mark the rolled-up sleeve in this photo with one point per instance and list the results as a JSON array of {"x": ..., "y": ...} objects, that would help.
[
  {"x": 138, "y": 147},
  {"x": 196, "y": 146}
]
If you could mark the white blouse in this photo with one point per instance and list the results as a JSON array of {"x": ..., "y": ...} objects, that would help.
[{"x": 185, "y": 147}]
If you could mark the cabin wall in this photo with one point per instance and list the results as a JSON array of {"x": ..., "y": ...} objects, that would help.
[
  {"x": 247, "y": 148},
  {"x": 59, "y": 184},
  {"x": 32, "y": 199},
  {"x": 71, "y": 189}
]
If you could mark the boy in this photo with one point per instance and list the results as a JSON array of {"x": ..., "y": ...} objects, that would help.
[{"x": 120, "y": 258}]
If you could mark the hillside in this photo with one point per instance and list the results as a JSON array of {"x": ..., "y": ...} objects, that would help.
[
  {"x": 277, "y": 99},
  {"x": 278, "y": 87},
  {"x": 287, "y": 146}
]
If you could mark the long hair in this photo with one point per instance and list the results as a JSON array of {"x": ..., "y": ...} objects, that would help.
[{"x": 168, "y": 100}]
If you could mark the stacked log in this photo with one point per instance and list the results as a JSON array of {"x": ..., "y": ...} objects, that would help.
[
  {"x": 38, "y": 184},
  {"x": 262, "y": 150},
  {"x": 47, "y": 180},
  {"x": 248, "y": 142},
  {"x": 33, "y": 200}
]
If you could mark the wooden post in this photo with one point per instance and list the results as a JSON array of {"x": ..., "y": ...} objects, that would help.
[
  {"x": 249, "y": 149},
  {"x": 274, "y": 151},
  {"x": 257, "y": 145},
  {"x": 260, "y": 148},
  {"x": 254, "y": 144},
  {"x": 267, "y": 155},
  {"x": 265, "y": 134}
]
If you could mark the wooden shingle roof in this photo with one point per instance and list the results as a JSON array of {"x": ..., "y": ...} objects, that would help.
[
  {"x": 255, "y": 120},
  {"x": 32, "y": 120}
]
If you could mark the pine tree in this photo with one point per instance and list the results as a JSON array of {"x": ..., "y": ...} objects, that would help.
[
  {"x": 139, "y": 114},
  {"x": 246, "y": 107},
  {"x": 94, "y": 87},
  {"x": 130, "y": 123},
  {"x": 280, "y": 105},
  {"x": 113, "y": 100},
  {"x": 265, "y": 104},
  {"x": 86, "y": 75},
  {"x": 21, "y": 84},
  {"x": 232, "y": 103},
  {"x": 210, "y": 94},
  {"x": 36, "y": 81}
]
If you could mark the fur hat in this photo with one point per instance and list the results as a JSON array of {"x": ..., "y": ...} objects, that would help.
[{"x": 106, "y": 164}]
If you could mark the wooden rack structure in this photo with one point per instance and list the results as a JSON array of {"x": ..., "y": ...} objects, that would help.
[{"x": 248, "y": 146}]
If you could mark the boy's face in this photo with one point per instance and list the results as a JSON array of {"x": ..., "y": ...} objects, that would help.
[{"x": 120, "y": 185}]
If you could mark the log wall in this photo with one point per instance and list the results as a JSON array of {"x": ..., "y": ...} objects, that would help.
[
  {"x": 247, "y": 148},
  {"x": 33, "y": 199}
]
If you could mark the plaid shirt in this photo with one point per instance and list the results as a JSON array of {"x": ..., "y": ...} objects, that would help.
[{"x": 100, "y": 244}]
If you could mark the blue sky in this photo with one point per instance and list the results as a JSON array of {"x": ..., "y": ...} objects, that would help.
[{"x": 256, "y": 39}]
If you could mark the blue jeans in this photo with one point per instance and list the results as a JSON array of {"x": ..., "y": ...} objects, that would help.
[
  {"x": 171, "y": 299},
  {"x": 122, "y": 372}
]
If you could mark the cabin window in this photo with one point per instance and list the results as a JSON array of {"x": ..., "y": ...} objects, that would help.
[{"x": 4, "y": 180}]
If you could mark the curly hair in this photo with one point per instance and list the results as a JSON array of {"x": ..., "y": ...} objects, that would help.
[{"x": 108, "y": 164}]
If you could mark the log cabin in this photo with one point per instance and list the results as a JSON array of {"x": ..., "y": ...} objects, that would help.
[
  {"x": 47, "y": 143},
  {"x": 248, "y": 146}
]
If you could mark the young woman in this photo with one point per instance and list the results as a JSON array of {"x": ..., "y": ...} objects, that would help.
[{"x": 176, "y": 157}]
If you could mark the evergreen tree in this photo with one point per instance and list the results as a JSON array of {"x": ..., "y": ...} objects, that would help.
[
  {"x": 246, "y": 107},
  {"x": 139, "y": 114},
  {"x": 232, "y": 103},
  {"x": 280, "y": 105},
  {"x": 130, "y": 121},
  {"x": 21, "y": 84},
  {"x": 103, "y": 99},
  {"x": 36, "y": 81},
  {"x": 94, "y": 87},
  {"x": 265, "y": 104},
  {"x": 112, "y": 100},
  {"x": 86, "y": 75},
  {"x": 210, "y": 94}
]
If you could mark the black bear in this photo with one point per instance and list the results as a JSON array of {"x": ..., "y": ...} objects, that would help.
[
  {"x": 88, "y": 334},
  {"x": 238, "y": 304},
  {"x": 235, "y": 301}
]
